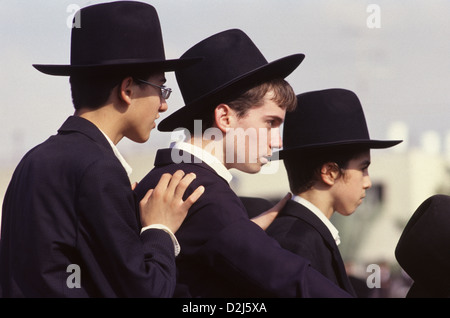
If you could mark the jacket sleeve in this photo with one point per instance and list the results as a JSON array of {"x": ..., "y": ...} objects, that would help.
[
  {"x": 122, "y": 262},
  {"x": 275, "y": 270}
]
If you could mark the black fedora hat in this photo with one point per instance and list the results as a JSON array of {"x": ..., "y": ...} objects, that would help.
[
  {"x": 231, "y": 65},
  {"x": 327, "y": 118},
  {"x": 115, "y": 36},
  {"x": 423, "y": 249}
]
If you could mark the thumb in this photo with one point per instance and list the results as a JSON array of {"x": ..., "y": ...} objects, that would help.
[
  {"x": 266, "y": 218},
  {"x": 280, "y": 205},
  {"x": 147, "y": 196}
]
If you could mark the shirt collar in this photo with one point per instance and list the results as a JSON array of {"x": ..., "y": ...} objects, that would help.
[
  {"x": 334, "y": 232},
  {"x": 125, "y": 164},
  {"x": 206, "y": 157}
]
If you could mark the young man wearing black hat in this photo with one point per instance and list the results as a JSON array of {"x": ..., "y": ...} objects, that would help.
[
  {"x": 71, "y": 224},
  {"x": 327, "y": 156},
  {"x": 240, "y": 101}
]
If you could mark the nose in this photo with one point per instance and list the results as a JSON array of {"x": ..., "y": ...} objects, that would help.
[
  {"x": 163, "y": 107},
  {"x": 275, "y": 138},
  {"x": 367, "y": 182}
]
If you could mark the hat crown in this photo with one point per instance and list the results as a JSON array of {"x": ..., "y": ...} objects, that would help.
[
  {"x": 231, "y": 64},
  {"x": 422, "y": 250},
  {"x": 331, "y": 116},
  {"x": 116, "y": 32},
  {"x": 227, "y": 56}
]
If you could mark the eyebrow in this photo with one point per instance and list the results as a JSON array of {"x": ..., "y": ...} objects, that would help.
[
  {"x": 365, "y": 163},
  {"x": 276, "y": 118},
  {"x": 161, "y": 78}
]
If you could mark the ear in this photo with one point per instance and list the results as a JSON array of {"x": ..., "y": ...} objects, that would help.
[
  {"x": 125, "y": 90},
  {"x": 329, "y": 173},
  {"x": 224, "y": 117}
]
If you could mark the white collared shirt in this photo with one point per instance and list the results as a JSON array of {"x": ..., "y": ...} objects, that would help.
[
  {"x": 119, "y": 156},
  {"x": 334, "y": 232},
  {"x": 129, "y": 170},
  {"x": 206, "y": 157}
]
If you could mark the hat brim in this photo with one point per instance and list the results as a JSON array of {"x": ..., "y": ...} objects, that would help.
[
  {"x": 184, "y": 117},
  {"x": 372, "y": 144},
  {"x": 68, "y": 70}
]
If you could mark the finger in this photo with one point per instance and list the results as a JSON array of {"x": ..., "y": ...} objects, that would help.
[
  {"x": 264, "y": 219},
  {"x": 193, "y": 197},
  {"x": 142, "y": 205},
  {"x": 146, "y": 196},
  {"x": 280, "y": 205},
  {"x": 183, "y": 185},
  {"x": 163, "y": 182},
  {"x": 267, "y": 217},
  {"x": 133, "y": 186},
  {"x": 175, "y": 180}
]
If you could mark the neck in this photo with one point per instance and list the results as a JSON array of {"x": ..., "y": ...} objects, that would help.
[
  {"x": 214, "y": 147},
  {"x": 104, "y": 119},
  {"x": 320, "y": 199}
]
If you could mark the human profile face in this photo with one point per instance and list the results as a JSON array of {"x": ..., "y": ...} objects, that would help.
[
  {"x": 145, "y": 108},
  {"x": 350, "y": 188},
  {"x": 254, "y": 136}
]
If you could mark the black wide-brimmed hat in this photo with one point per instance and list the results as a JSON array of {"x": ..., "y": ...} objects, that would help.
[
  {"x": 327, "y": 118},
  {"x": 115, "y": 36},
  {"x": 231, "y": 65},
  {"x": 423, "y": 249}
]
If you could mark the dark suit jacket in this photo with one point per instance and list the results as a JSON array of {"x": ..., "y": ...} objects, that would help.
[
  {"x": 223, "y": 253},
  {"x": 255, "y": 206},
  {"x": 70, "y": 202},
  {"x": 300, "y": 231}
]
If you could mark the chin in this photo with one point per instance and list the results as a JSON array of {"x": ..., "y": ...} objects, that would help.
[
  {"x": 140, "y": 139},
  {"x": 346, "y": 212},
  {"x": 252, "y": 169}
]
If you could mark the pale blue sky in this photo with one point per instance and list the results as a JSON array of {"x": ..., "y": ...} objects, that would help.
[{"x": 400, "y": 71}]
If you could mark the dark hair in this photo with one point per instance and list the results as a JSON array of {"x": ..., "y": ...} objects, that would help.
[
  {"x": 284, "y": 96},
  {"x": 304, "y": 168},
  {"x": 93, "y": 90}
]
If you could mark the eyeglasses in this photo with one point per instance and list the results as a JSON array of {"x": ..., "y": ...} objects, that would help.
[{"x": 165, "y": 91}]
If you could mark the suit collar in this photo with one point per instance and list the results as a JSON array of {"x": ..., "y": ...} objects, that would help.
[
  {"x": 206, "y": 157},
  {"x": 118, "y": 155},
  {"x": 297, "y": 210},
  {"x": 89, "y": 129},
  {"x": 334, "y": 232},
  {"x": 84, "y": 126},
  {"x": 169, "y": 156}
]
